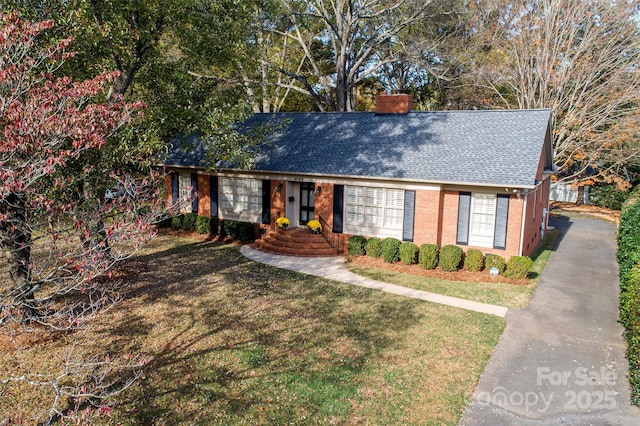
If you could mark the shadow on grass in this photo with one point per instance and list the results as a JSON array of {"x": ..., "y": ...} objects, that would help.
[
  {"x": 548, "y": 244},
  {"x": 229, "y": 340}
]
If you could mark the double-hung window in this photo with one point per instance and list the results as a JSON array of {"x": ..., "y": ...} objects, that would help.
[
  {"x": 394, "y": 208},
  {"x": 240, "y": 199},
  {"x": 374, "y": 211},
  {"x": 185, "y": 192},
  {"x": 482, "y": 219}
]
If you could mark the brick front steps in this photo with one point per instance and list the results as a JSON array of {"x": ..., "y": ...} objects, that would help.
[{"x": 295, "y": 242}]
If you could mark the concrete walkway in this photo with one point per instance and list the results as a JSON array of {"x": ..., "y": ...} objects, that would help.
[
  {"x": 333, "y": 268},
  {"x": 561, "y": 360}
]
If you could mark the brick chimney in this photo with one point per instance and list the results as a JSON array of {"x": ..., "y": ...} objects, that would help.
[{"x": 400, "y": 103}]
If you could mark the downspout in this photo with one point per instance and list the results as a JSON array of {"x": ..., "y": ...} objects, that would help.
[
  {"x": 546, "y": 219},
  {"x": 524, "y": 217}
]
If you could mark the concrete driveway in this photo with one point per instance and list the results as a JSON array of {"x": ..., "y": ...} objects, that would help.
[{"x": 561, "y": 360}]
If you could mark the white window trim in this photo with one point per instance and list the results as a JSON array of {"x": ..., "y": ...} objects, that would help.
[
  {"x": 482, "y": 238},
  {"x": 245, "y": 198},
  {"x": 185, "y": 195},
  {"x": 379, "y": 228}
]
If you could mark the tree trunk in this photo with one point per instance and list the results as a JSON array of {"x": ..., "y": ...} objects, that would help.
[
  {"x": 16, "y": 242},
  {"x": 580, "y": 199},
  {"x": 341, "y": 87}
]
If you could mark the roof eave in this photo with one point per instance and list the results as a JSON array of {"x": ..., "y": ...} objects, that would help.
[{"x": 385, "y": 179}]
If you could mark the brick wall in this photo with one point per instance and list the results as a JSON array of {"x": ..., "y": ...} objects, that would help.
[
  {"x": 278, "y": 197},
  {"x": 436, "y": 213},
  {"x": 324, "y": 202},
  {"x": 450, "y": 225},
  {"x": 514, "y": 227},
  {"x": 394, "y": 104},
  {"x": 537, "y": 202},
  {"x": 449, "y": 217},
  {"x": 428, "y": 217},
  {"x": 167, "y": 192},
  {"x": 204, "y": 195}
]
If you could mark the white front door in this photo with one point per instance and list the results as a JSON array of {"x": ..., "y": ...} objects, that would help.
[{"x": 293, "y": 204}]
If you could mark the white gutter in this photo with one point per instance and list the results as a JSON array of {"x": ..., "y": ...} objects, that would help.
[{"x": 351, "y": 177}]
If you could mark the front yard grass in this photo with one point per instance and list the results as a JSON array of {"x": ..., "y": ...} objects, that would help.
[
  {"x": 229, "y": 341},
  {"x": 495, "y": 293}
]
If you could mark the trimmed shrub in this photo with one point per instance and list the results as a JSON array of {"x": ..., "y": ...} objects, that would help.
[
  {"x": 408, "y": 253},
  {"x": 450, "y": 258},
  {"x": 245, "y": 231},
  {"x": 518, "y": 267},
  {"x": 355, "y": 245},
  {"x": 214, "y": 225},
  {"x": 608, "y": 196},
  {"x": 494, "y": 261},
  {"x": 202, "y": 225},
  {"x": 373, "y": 247},
  {"x": 176, "y": 221},
  {"x": 390, "y": 248},
  {"x": 189, "y": 221},
  {"x": 474, "y": 260},
  {"x": 225, "y": 227},
  {"x": 242, "y": 231},
  {"x": 428, "y": 256},
  {"x": 165, "y": 222}
]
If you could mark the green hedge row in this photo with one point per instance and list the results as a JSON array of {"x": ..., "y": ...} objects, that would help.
[
  {"x": 193, "y": 222},
  {"x": 429, "y": 256},
  {"x": 629, "y": 261},
  {"x": 243, "y": 231},
  {"x": 629, "y": 237}
]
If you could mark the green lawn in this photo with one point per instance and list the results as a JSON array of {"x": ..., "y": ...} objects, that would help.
[
  {"x": 229, "y": 341},
  {"x": 507, "y": 295}
]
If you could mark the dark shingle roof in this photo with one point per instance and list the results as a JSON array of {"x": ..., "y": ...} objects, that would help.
[
  {"x": 187, "y": 151},
  {"x": 475, "y": 147}
]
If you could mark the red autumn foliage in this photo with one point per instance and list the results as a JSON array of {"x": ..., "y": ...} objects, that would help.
[{"x": 60, "y": 233}]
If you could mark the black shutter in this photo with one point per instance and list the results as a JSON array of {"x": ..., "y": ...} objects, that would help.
[
  {"x": 464, "y": 211},
  {"x": 175, "y": 190},
  {"x": 409, "y": 212},
  {"x": 266, "y": 202},
  {"x": 194, "y": 192},
  {"x": 338, "y": 208},
  {"x": 213, "y": 195},
  {"x": 502, "y": 213}
]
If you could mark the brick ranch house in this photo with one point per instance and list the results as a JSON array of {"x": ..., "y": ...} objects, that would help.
[{"x": 478, "y": 179}]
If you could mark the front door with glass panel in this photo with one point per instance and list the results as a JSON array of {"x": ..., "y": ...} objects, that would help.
[{"x": 307, "y": 202}]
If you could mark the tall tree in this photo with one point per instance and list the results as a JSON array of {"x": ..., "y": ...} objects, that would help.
[
  {"x": 579, "y": 58},
  {"x": 49, "y": 212},
  {"x": 420, "y": 61},
  {"x": 339, "y": 41}
]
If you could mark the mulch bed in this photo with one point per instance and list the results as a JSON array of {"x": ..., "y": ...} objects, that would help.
[{"x": 460, "y": 275}]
